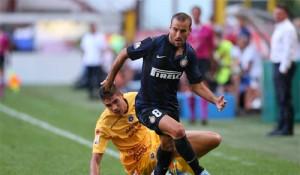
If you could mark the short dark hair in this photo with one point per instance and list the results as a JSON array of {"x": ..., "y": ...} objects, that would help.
[
  {"x": 182, "y": 17},
  {"x": 284, "y": 8},
  {"x": 104, "y": 94},
  {"x": 197, "y": 8}
]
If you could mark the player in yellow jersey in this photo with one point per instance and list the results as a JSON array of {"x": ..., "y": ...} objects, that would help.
[{"x": 136, "y": 143}]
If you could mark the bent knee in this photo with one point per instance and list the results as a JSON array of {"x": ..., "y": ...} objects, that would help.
[
  {"x": 217, "y": 139},
  {"x": 179, "y": 131}
]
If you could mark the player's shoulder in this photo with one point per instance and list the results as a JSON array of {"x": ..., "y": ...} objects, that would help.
[
  {"x": 159, "y": 39},
  {"x": 105, "y": 118},
  {"x": 189, "y": 50},
  {"x": 150, "y": 42},
  {"x": 130, "y": 97},
  {"x": 130, "y": 94},
  {"x": 103, "y": 126}
]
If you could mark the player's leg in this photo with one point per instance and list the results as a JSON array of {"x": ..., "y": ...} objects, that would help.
[
  {"x": 151, "y": 117},
  {"x": 164, "y": 154},
  {"x": 203, "y": 141},
  {"x": 173, "y": 128},
  {"x": 162, "y": 123}
]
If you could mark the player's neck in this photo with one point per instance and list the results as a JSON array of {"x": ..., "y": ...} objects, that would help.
[
  {"x": 179, "y": 51},
  {"x": 197, "y": 22}
]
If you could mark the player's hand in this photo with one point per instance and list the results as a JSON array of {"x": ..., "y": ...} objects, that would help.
[
  {"x": 105, "y": 85},
  {"x": 221, "y": 103}
]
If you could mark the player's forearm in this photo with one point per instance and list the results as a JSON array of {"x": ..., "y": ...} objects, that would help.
[
  {"x": 94, "y": 169},
  {"x": 118, "y": 63},
  {"x": 95, "y": 163},
  {"x": 203, "y": 91}
]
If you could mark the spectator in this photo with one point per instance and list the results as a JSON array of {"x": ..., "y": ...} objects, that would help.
[
  {"x": 223, "y": 59},
  {"x": 93, "y": 45},
  {"x": 296, "y": 22},
  {"x": 4, "y": 49},
  {"x": 251, "y": 66},
  {"x": 202, "y": 40},
  {"x": 283, "y": 53}
]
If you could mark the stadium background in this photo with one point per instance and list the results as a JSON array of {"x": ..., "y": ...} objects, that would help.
[{"x": 46, "y": 127}]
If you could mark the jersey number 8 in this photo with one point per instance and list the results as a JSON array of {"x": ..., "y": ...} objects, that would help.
[{"x": 156, "y": 112}]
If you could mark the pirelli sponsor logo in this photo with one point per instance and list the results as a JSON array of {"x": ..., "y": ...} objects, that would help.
[{"x": 165, "y": 74}]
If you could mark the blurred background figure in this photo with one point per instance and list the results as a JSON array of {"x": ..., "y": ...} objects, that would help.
[
  {"x": 296, "y": 22},
  {"x": 251, "y": 66},
  {"x": 116, "y": 42},
  {"x": 283, "y": 53},
  {"x": 4, "y": 50},
  {"x": 223, "y": 60},
  {"x": 202, "y": 40},
  {"x": 94, "y": 46}
]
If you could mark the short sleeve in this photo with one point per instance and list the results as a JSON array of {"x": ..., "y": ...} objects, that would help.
[
  {"x": 192, "y": 70},
  {"x": 139, "y": 49},
  {"x": 100, "y": 142}
]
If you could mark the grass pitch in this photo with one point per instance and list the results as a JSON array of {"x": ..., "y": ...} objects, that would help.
[{"x": 29, "y": 149}]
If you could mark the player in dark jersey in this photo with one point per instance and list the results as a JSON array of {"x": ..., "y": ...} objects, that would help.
[{"x": 165, "y": 58}]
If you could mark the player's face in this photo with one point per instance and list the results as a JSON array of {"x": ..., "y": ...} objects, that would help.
[
  {"x": 279, "y": 14},
  {"x": 116, "y": 104},
  {"x": 196, "y": 13},
  {"x": 178, "y": 32}
]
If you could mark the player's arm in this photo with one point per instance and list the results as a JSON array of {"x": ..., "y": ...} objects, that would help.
[
  {"x": 198, "y": 86},
  {"x": 135, "y": 51},
  {"x": 95, "y": 164},
  {"x": 203, "y": 91},
  {"x": 118, "y": 63},
  {"x": 99, "y": 147}
]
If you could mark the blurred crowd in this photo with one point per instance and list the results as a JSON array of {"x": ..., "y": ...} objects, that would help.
[
  {"x": 231, "y": 58},
  {"x": 233, "y": 64}
]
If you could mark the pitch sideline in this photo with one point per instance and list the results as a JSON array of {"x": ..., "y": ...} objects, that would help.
[
  {"x": 46, "y": 126},
  {"x": 71, "y": 136}
]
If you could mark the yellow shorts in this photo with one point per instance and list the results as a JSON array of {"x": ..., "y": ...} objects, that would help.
[
  {"x": 180, "y": 165},
  {"x": 147, "y": 163}
]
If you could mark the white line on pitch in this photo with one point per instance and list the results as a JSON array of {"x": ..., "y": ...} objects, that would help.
[
  {"x": 66, "y": 134},
  {"x": 46, "y": 126}
]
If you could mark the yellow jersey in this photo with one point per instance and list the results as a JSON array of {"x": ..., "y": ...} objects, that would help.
[{"x": 136, "y": 143}]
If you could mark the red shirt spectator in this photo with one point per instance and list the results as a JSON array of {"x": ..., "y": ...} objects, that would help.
[
  {"x": 4, "y": 43},
  {"x": 202, "y": 40}
]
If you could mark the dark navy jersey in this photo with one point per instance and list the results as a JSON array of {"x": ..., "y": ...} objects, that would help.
[{"x": 161, "y": 71}]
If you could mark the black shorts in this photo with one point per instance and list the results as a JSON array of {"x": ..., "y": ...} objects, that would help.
[
  {"x": 2, "y": 61},
  {"x": 204, "y": 66},
  {"x": 150, "y": 116}
]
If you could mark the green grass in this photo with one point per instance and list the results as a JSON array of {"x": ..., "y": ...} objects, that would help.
[{"x": 26, "y": 149}]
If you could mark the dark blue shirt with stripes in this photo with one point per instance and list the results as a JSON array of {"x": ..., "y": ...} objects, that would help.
[{"x": 162, "y": 70}]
